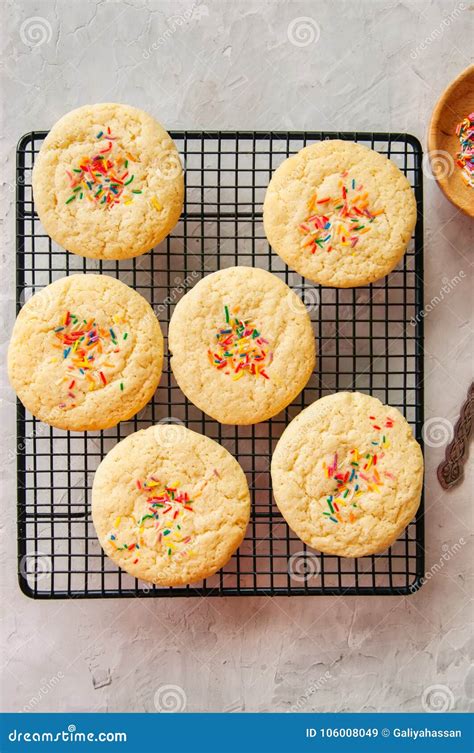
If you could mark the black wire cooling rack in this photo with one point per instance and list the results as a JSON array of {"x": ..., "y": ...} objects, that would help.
[{"x": 369, "y": 339}]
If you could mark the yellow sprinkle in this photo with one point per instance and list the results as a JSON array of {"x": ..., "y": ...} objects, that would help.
[
  {"x": 141, "y": 529},
  {"x": 155, "y": 203},
  {"x": 238, "y": 376},
  {"x": 117, "y": 521},
  {"x": 365, "y": 230},
  {"x": 54, "y": 360},
  {"x": 129, "y": 201}
]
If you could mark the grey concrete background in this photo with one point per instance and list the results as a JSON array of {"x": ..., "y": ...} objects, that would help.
[{"x": 259, "y": 65}]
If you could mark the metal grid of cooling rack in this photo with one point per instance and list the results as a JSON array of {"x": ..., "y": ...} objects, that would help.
[{"x": 367, "y": 339}]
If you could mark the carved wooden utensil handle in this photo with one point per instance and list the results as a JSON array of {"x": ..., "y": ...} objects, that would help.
[{"x": 451, "y": 470}]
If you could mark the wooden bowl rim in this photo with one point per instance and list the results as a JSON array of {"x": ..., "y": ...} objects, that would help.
[{"x": 444, "y": 182}]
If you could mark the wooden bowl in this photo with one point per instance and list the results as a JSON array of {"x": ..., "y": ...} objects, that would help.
[{"x": 456, "y": 102}]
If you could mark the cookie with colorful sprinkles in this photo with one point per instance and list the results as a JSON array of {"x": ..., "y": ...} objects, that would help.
[
  {"x": 347, "y": 475},
  {"x": 242, "y": 345},
  {"x": 170, "y": 506},
  {"x": 108, "y": 182},
  {"x": 340, "y": 214},
  {"x": 86, "y": 352}
]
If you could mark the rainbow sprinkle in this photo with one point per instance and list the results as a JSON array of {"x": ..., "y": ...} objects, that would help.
[
  {"x": 86, "y": 352},
  {"x": 167, "y": 510},
  {"x": 465, "y": 156},
  {"x": 340, "y": 219},
  {"x": 103, "y": 178},
  {"x": 354, "y": 477},
  {"x": 239, "y": 348}
]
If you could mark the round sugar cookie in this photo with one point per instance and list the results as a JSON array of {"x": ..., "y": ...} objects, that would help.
[
  {"x": 339, "y": 213},
  {"x": 242, "y": 345},
  {"x": 86, "y": 352},
  {"x": 108, "y": 182},
  {"x": 347, "y": 475},
  {"x": 170, "y": 506}
]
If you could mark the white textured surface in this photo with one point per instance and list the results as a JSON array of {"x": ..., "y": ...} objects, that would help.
[{"x": 231, "y": 65}]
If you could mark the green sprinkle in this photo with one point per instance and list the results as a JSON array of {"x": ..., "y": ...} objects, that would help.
[
  {"x": 125, "y": 335},
  {"x": 127, "y": 182},
  {"x": 76, "y": 170},
  {"x": 81, "y": 195},
  {"x": 137, "y": 191},
  {"x": 121, "y": 386},
  {"x": 71, "y": 198},
  {"x": 169, "y": 552},
  {"x": 144, "y": 518},
  {"x": 126, "y": 163},
  {"x": 227, "y": 318},
  {"x": 330, "y": 505}
]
